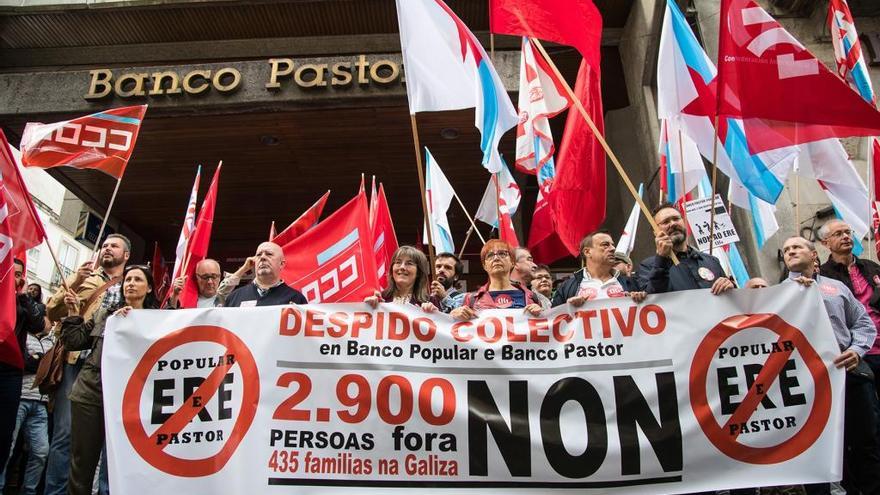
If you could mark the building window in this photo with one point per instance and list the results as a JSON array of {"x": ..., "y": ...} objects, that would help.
[
  {"x": 68, "y": 254},
  {"x": 33, "y": 261}
]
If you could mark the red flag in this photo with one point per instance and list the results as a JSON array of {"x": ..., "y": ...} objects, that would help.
[
  {"x": 577, "y": 198},
  {"x": 160, "y": 272},
  {"x": 102, "y": 141},
  {"x": 197, "y": 249},
  {"x": 384, "y": 238},
  {"x": 25, "y": 226},
  {"x": 305, "y": 221},
  {"x": 784, "y": 95},
  {"x": 333, "y": 261},
  {"x": 10, "y": 353},
  {"x": 576, "y": 23}
]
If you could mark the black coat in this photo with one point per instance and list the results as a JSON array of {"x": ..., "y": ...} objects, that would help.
[
  {"x": 868, "y": 269},
  {"x": 279, "y": 295},
  {"x": 28, "y": 318},
  {"x": 657, "y": 274}
]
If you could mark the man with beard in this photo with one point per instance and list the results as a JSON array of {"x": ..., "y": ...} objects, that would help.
[
  {"x": 855, "y": 333},
  {"x": 94, "y": 289},
  {"x": 696, "y": 270},
  {"x": 598, "y": 279},
  {"x": 267, "y": 289},
  {"x": 447, "y": 271},
  {"x": 861, "y": 277}
]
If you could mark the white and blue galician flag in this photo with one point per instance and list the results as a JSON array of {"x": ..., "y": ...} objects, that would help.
[
  {"x": 510, "y": 195},
  {"x": 763, "y": 214},
  {"x": 686, "y": 80},
  {"x": 680, "y": 160},
  {"x": 440, "y": 194},
  {"x": 447, "y": 69},
  {"x": 848, "y": 50},
  {"x": 628, "y": 238}
]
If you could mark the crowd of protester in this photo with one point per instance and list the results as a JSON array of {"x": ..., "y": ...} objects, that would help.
[{"x": 70, "y": 327}]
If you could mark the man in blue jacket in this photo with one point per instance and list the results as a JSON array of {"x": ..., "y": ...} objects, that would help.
[{"x": 695, "y": 270}]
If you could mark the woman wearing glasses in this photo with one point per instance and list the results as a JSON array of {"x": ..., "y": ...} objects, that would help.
[
  {"x": 408, "y": 278},
  {"x": 500, "y": 292},
  {"x": 86, "y": 403}
]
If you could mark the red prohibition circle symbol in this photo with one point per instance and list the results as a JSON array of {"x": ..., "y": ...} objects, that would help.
[
  {"x": 146, "y": 444},
  {"x": 717, "y": 433}
]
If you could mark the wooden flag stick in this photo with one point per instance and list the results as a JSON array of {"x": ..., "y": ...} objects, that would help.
[
  {"x": 868, "y": 181},
  {"x": 421, "y": 169},
  {"x": 57, "y": 265},
  {"x": 104, "y": 222},
  {"x": 714, "y": 182},
  {"x": 466, "y": 239},
  {"x": 681, "y": 166},
  {"x": 470, "y": 219},
  {"x": 599, "y": 137}
]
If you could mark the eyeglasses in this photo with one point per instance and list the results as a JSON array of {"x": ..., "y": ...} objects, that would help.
[
  {"x": 841, "y": 233},
  {"x": 497, "y": 254},
  {"x": 209, "y": 276}
]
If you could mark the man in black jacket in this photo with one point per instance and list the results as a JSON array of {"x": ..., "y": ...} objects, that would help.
[
  {"x": 861, "y": 277},
  {"x": 696, "y": 270},
  {"x": 27, "y": 319},
  {"x": 267, "y": 289},
  {"x": 598, "y": 279}
]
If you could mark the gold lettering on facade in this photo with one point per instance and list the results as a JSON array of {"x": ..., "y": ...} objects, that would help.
[
  {"x": 384, "y": 66},
  {"x": 317, "y": 70},
  {"x": 280, "y": 67},
  {"x": 136, "y": 90},
  {"x": 101, "y": 78},
  {"x": 159, "y": 79},
  {"x": 341, "y": 74},
  {"x": 228, "y": 87},
  {"x": 362, "y": 66},
  {"x": 203, "y": 75}
]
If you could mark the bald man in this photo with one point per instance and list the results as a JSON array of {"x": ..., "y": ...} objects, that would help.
[
  {"x": 207, "y": 281},
  {"x": 267, "y": 289},
  {"x": 757, "y": 283}
]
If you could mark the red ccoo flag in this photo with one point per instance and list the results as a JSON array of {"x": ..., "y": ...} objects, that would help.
[
  {"x": 305, "y": 221},
  {"x": 784, "y": 95},
  {"x": 197, "y": 249},
  {"x": 10, "y": 352},
  {"x": 384, "y": 238},
  {"x": 102, "y": 141},
  {"x": 333, "y": 261}
]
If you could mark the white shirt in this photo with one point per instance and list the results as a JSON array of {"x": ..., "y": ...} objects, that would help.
[{"x": 593, "y": 288}]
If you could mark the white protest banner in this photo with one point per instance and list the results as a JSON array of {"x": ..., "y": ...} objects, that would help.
[
  {"x": 611, "y": 397},
  {"x": 699, "y": 217}
]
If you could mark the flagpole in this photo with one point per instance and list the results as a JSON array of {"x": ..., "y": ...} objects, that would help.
[
  {"x": 421, "y": 169},
  {"x": 271, "y": 230},
  {"x": 104, "y": 222},
  {"x": 466, "y": 238},
  {"x": 870, "y": 203},
  {"x": 714, "y": 186},
  {"x": 681, "y": 167},
  {"x": 470, "y": 219},
  {"x": 498, "y": 201},
  {"x": 620, "y": 170},
  {"x": 57, "y": 265}
]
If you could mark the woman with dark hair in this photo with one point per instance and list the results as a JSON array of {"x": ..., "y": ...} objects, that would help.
[
  {"x": 86, "y": 403},
  {"x": 500, "y": 292},
  {"x": 408, "y": 279}
]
